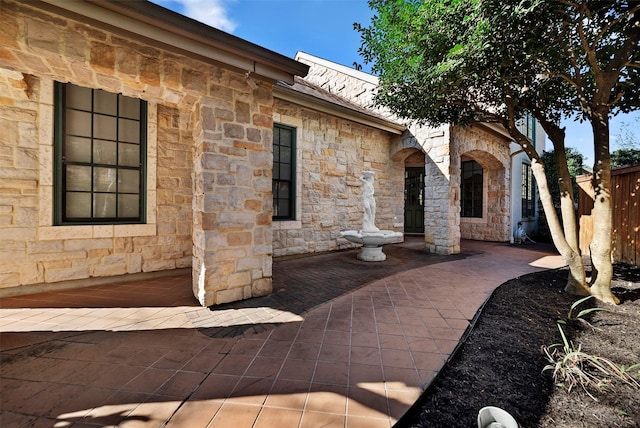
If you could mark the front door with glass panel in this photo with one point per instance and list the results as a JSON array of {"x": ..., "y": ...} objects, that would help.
[{"x": 414, "y": 200}]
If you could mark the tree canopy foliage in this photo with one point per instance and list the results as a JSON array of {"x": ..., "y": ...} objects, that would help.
[
  {"x": 454, "y": 61},
  {"x": 625, "y": 157}
]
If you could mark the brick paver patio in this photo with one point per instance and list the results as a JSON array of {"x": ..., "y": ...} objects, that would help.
[{"x": 340, "y": 343}]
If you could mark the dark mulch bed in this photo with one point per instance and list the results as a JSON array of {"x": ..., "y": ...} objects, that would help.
[{"x": 501, "y": 362}]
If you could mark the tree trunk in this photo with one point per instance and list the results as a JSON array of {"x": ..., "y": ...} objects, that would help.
[
  {"x": 576, "y": 282},
  {"x": 602, "y": 210}
]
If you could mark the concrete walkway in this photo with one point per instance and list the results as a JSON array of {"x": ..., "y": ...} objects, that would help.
[{"x": 340, "y": 343}]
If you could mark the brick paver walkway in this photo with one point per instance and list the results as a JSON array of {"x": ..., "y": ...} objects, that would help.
[{"x": 340, "y": 343}]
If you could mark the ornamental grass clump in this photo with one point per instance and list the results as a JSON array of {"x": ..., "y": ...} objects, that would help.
[{"x": 571, "y": 366}]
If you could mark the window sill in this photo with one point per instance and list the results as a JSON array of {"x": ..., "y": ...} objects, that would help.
[
  {"x": 286, "y": 224},
  {"x": 49, "y": 233},
  {"x": 476, "y": 220}
]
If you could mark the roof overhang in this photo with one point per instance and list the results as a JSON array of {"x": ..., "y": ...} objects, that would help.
[
  {"x": 153, "y": 24},
  {"x": 324, "y": 106},
  {"x": 496, "y": 129}
]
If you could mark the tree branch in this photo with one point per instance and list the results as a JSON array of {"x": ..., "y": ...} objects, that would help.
[
  {"x": 630, "y": 45},
  {"x": 589, "y": 50},
  {"x": 610, "y": 24}
]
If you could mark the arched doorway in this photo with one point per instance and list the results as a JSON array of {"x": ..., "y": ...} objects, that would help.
[{"x": 414, "y": 193}]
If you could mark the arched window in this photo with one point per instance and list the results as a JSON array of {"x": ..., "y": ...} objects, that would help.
[{"x": 471, "y": 189}]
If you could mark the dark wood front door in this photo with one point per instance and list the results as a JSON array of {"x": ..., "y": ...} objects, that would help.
[{"x": 414, "y": 200}]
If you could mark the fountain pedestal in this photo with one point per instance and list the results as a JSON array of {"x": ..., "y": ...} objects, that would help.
[{"x": 372, "y": 242}]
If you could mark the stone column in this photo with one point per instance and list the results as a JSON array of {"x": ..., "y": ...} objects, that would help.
[
  {"x": 442, "y": 217},
  {"x": 232, "y": 194}
]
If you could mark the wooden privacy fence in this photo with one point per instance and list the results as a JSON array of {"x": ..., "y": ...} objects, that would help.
[{"x": 625, "y": 197}]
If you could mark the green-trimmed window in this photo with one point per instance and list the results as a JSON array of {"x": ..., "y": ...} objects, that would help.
[
  {"x": 528, "y": 127},
  {"x": 100, "y": 162},
  {"x": 283, "y": 186},
  {"x": 471, "y": 189},
  {"x": 528, "y": 189}
]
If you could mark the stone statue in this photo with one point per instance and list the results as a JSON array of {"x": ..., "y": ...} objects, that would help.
[
  {"x": 368, "y": 202},
  {"x": 371, "y": 238}
]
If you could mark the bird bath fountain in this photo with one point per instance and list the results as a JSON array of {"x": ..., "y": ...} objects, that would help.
[{"x": 371, "y": 238}]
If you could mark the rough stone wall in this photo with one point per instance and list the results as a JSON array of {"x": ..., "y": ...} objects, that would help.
[
  {"x": 38, "y": 49},
  {"x": 174, "y": 193},
  {"x": 192, "y": 106},
  {"x": 42, "y": 253},
  {"x": 331, "y": 154},
  {"x": 234, "y": 203},
  {"x": 492, "y": 153},
  {"x": 444, "y": 148},
  {"x": 19, "y": 164},
  {"x": 38, "y": 252},
  {"x": 356, "y": 86},
  {"x": 441, "y": 205},
  {"x": 415, "y": 160}
]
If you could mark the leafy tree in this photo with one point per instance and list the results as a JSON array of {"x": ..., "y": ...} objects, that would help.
[
  {"x": 442, "y": 61},
  {"x": 592, "y": 48},
  {"x": 625, "y": 157},
  {"x": 459, "y": 61}
]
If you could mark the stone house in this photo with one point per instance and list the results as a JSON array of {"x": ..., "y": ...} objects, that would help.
[{"x": 135, "y": 141}]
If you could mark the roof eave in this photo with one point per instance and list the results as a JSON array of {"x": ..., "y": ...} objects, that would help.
[
  {"x": 496, "y": 129},
  {"x": 164, "y": 28},
  {"x": 309, "y": 101}
]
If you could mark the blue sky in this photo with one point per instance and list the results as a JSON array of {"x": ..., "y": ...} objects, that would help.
[{"x": 324, "y": 28}]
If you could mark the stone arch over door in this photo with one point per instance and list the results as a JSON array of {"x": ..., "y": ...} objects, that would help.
[
  {"x": 414, "y": 192},
  {"x": 413, "y": 158}
]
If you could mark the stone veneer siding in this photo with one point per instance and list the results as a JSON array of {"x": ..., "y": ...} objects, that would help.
[
  {"x": 357, "y": 87},
  {"x": 331, "y": 154},
  {"x": 233, "y": 204},
  {"x": 492, "y": 153},
  {"x": 208, "y": 131},
  {"x": 33, "y": 250}
]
